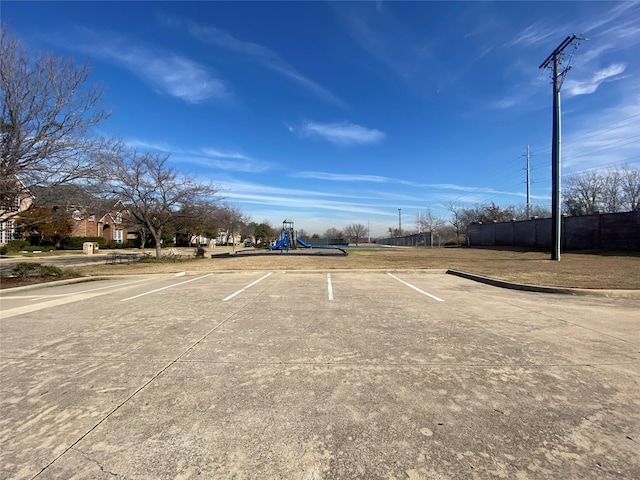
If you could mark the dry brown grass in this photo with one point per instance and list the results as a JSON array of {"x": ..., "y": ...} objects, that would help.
[{"x": 576, "y": 270}]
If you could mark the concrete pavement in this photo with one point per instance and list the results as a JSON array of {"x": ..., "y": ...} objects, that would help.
[{"x": 318, "y": 375}]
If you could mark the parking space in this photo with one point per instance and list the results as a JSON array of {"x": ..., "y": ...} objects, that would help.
[{"x": 314, "y": 375}]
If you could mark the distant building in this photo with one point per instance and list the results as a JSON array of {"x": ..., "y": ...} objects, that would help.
[{"x": 11, "y": 205}]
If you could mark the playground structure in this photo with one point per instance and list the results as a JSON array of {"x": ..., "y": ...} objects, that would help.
[{"x": 288, "y": 238}]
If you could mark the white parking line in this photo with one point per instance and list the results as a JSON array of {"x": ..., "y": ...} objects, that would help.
[
  {"x": 164, "y": 288},
  {"x": 38, "y": 297},
  {"x": 248, "y": 286},
  {"x": 329, "y": 287},
  {"x": 416, "y": 288}
]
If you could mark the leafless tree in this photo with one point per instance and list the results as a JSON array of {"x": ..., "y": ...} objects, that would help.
[
  {"x": 520, "y": 211},
  {"x": 613, "y": 190},
  {"x": 355, "y": 232},
  {"x": 431, "y": 224},
  {"x": 582, "y": 193},
  {"x": 232, "y": 221},
  {"x": 612, "y": 198},
  {"x": 154, "y": 192},
  {"x": 333, "y": 233},
  {"x": 48, "y": 111},
  {"x": 457, "y": 219},
  {"x": 630, "y": 186}
]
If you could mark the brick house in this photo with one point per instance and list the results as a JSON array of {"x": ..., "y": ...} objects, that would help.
[
  {"x": 89, "y": 216},
  {"x": 18, "y": 199}
]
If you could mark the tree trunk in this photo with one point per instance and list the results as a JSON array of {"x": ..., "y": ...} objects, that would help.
[{"x": 158, "y": 239}]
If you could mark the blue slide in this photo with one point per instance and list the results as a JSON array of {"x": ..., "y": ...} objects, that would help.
[
  {"x": 304, "y": 244},
  {"x": 281, "y": 244}
]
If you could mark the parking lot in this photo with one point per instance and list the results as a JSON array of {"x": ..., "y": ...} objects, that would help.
[{"x": 316, "y": 375}]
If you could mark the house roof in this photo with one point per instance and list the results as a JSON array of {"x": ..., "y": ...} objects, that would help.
[{"x": 72, "y": 196}]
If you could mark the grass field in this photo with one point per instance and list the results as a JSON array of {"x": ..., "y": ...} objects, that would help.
[{"x": 576, "y": 269}]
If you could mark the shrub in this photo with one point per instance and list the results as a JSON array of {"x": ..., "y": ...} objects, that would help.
[
  {"x": 26, "y": 269},
  {"x": 17, "y": 245},
  {"x": 75, "y": 243}
]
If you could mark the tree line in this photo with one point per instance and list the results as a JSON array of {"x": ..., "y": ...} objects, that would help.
[
  {"x": 49, "y": 111},
  {"x": 48, "y": 139}
]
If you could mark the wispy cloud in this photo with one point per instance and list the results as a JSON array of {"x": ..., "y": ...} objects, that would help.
[
  {"x": 535, "y": 34},
  {"x": 166, "y": 72},
  {"x": 334, "y": 177},
  {"x": 206, "y": 157},
  {"x": 259, "y": 53},
  {"x": 606, "y": 138},
  {"x": 590, "y": 85},
  {"x": 343, "y": 133},
  {"x": 625, "y": 11},
  {"x": 338, "y": 177}
]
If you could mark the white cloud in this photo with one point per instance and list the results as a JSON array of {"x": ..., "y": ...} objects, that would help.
[
  {"x": 535, "y": 34},
  {"x": 265, "y": 56},
  {"x": 206, "y": 157},
  {"x": 603, "y": 139},
  {"x": 211, "y": 152},
  {"x": 339, "y": 177},
  {"x": 344, "y": 133},
  {"x": 590, "y": 85},
  {"x": 168, "y": 73}
]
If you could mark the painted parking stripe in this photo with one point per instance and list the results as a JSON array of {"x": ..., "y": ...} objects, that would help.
[
  {"x": 329, "y": 287},
  {"x": 248, "y": 286},
  {"x": 164, "y": 288},
  {"x": 416, "y": 288},
  {"x": 39, "y": 297}
]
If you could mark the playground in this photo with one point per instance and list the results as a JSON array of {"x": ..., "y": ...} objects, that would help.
[{"x": 289, "y": 241}]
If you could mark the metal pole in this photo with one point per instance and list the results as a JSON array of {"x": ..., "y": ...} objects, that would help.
[
  {"x": 554, "y": 60},
  {"x": 528, "y": 187},
  {"x": 556, "y": 212},
  {"x": 400, "y": 222}
]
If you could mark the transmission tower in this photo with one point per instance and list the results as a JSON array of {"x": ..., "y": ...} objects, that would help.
[
  {"x": 528, "y": 168},
  {"x": 554, "y": 62}
]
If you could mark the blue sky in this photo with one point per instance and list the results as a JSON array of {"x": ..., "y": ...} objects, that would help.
[{"x": 332, "y": 113}]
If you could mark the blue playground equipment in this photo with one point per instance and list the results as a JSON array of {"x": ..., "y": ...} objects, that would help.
[{"x": 288, "y": 238}]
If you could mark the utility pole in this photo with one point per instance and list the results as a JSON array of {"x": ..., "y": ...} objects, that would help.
[
  {"x": 399, "y": 222},
  {"x": 554, "y": 61},
  {"x": 527, "y": 155}
]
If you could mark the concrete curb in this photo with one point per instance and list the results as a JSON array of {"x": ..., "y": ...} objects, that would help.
[
  {"x": 545, "y": 289},
  {"x": 469, "y": 276}
]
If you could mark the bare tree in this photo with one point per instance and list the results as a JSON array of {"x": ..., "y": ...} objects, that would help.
[
  {"x": 520, "y": 211},
  {"x": 333, "y": 233},
  {"x": 355, "y": 231},
  {"x": 195, "y": 221},
  {"x": 155, "y": 193},
  {"x": 613, "y": 190},
  {"x": 48, "y": 111},
  {"x": 431, "y": 224},
  {"x": 582, "y": 193},
  {"x": 630, "y": 186},
  {"x": 457, "y": 219},
  {"x": 612, "y": 198},
  {"x": 232, "y": 221}
]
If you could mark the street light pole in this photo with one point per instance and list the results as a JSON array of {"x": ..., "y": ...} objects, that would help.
[{"x": 400, "y": 222}]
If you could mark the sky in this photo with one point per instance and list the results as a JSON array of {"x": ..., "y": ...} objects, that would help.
[{"x": 335, "y": 113}]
